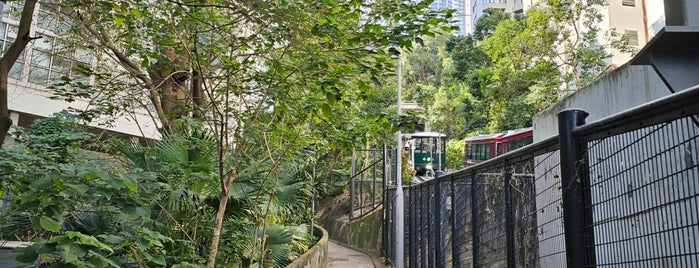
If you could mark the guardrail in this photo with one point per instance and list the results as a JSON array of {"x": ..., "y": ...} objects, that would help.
[{"x": 368, "y": 179}]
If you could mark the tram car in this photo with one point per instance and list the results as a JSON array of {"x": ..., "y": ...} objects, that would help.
[
  {"x": 480, "y": 148},
  {"x": 427, "y": 152}
]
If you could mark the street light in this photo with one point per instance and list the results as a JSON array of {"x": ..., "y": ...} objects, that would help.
[{"x": 399, "y": 184}]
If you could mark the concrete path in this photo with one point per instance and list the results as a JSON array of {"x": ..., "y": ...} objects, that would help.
[{"x": 340, "y": 256}]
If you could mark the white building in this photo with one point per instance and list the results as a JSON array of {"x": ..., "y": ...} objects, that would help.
[{"x": 38, "y": 67}]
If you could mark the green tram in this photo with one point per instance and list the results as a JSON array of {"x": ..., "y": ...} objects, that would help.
[{"x": 427, "y": 152}]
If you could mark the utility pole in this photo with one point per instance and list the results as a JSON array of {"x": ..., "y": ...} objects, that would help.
[{"x": 399, "y": 184}]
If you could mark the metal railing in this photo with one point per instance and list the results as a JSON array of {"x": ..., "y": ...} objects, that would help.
[
  {"x": 369, "y": 171},
  {"x": 620, "y": 191}
]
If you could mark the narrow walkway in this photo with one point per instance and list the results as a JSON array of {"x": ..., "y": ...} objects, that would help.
[{"x": 340, "y": 256}]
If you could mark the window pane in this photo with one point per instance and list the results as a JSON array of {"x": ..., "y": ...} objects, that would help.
[
  {"x": 12, "y": 32},
  {"x": 46, "y": 21},
  {"x": 61, "y": 64},
  {"x": 12, "y": 10},
  {"x": 82, "y": 55},
  {"x": 55, "y": 77},
  {"x": 16, "y": 71},
  {"x": 38, "y": 76},
  {"x": 2, "y": 30},
  {"x": 45, "y": 43},
  {"x": 40, "y": 58}
]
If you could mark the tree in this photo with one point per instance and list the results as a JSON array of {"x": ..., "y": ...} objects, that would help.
[
  {"x": 8, "y": 59},
  {"x": 486, "y": 24},
  {"x": 260, "y": 75},
  {"x": 555, "y": 49}
]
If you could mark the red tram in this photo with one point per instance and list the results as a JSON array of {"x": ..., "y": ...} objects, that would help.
[{"x": 480, "y": 148}]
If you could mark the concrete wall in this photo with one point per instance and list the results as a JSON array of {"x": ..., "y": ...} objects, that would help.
[
  {"x": 624, "y": 88},
  {"x": 317, "y": 256},
  {"x": 363, "y": 234}
]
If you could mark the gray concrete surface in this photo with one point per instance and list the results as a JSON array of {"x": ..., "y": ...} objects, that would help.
[{"x": 340, "y": 256}]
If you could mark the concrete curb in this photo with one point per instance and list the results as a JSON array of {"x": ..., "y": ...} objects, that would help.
[{"x": 316, "y": 256}]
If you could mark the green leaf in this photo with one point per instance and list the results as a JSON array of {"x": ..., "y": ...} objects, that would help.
[
  {"x": 98, "y": 260},
  {"x": 118, "y": 20},
  {"x": 159, "y": 260},
  {"x": 81, "y": 188},
  {"x": 49, "y": 224},
  {"x": 28, "y": 254},
  {"x": 130, "y": 183},
  {"x": 71, "y": 252},
  {"x": 89, "y": 240}
]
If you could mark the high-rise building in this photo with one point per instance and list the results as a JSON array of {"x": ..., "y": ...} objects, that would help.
[{"x": 460, "y": 15}]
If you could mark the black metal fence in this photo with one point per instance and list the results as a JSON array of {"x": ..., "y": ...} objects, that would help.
[{"x": 622, "y": 191}]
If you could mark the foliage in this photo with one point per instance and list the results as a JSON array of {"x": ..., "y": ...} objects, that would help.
[
  {"x": 407, "y": 173},
  {"x": 455, "y": 154},
  {"x": 80, "y": 210},
  {"x": 269, "y": 80},
  {"x": 486, "y": 24},
  {"x": 154, "y": 210},
  {"x": 513, "y": 66}
]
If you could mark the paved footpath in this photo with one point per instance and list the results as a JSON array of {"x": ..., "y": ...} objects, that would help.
[{"x": 340, "y": 256}]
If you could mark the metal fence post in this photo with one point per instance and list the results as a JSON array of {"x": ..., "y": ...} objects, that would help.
[
  {"x": 373, "y": 189},
  {"x": 509, "y": 217},
  {"x": 352, "y": 190},
  {"x": 575, "y": 180}
]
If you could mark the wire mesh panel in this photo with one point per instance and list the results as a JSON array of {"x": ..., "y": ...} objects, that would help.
[
  {"x": 489, "y": 227},
  {"x": 428, "y": 191},
  {"x": 524, "y": 212},
  {"x": 549, "y": 213},
  {"x": 645, "y": 195},
  {"x": 445, "y": 254},
  {"x": 462, "y": 242}
]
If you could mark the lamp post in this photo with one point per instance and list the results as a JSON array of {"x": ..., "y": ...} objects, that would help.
[{"x": 399, "y": 184}]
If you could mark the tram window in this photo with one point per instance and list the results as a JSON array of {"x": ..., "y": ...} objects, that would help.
[
  {"x": 479, "y": 152},
  {"x": 519, "y": 143}
]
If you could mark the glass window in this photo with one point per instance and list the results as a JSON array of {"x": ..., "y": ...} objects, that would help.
[
  {"x": 40, "y": 58},
  {"x": 16, "y": 71},
  {"x": 44, "y": 43},
  {"x": 55, "y": 77},
  {"x": 12, "y": 33},
  {"x": 62, "y": 64},
  {"x": 38, "y": 76},
  {"x": 13, "y": 10}
]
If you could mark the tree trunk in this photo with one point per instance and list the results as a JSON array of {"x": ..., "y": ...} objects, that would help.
[
  {"x": 169, "y": 76},
  {"x": 8, "y": 60},
  {"x": 218, "y": 224}
]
